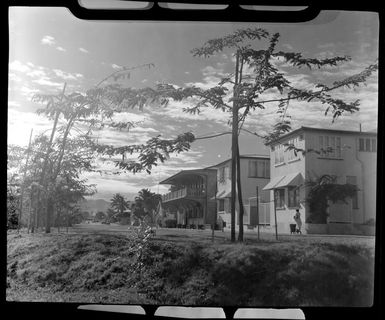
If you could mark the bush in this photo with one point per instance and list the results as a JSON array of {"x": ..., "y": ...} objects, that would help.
[
  {"x": 12, "y": 220},
  {"x": 170, "y": 223}
]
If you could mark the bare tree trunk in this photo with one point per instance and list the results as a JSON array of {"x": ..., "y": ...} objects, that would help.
[
  {"x": 234, "y": 146},
  {"x": 22, "y": 186},
  {"x": 29, "y": 213},
  {"x": 240, "y": 200},
  {"x": 68, "y": 219},
  {"x": 37, "y": 211},
  {"x": 33, "y": 216},
  {"x": 58, "y": 219},
  {"x": 49, "y": 216}
]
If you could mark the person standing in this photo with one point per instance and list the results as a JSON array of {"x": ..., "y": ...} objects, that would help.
[{"x": 298, "y": 221}]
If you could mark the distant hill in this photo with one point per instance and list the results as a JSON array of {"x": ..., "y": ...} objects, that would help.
[{"x": 95, "y": 205}]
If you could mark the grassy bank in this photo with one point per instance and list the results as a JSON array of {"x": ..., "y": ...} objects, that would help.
[{"x": 104, "y": 269}]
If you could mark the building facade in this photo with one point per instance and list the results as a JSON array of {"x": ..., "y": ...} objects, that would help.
[
  {"x": 255, "y": 174},
  {"x": 190, "y": 200},
  {"x": 350, "y": 157}
]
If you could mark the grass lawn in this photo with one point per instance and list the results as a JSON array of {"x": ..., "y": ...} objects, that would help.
[{"x": 100, "y": 264}]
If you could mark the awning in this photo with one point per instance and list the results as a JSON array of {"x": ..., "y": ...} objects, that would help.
[
  {"x": 273, "y": 182},
  {"x": 292, "y": 179},
  {"x": 221, "y": 195}
]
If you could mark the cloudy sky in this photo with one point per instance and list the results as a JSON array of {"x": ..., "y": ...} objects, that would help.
[{"x": 49, "y": 46}]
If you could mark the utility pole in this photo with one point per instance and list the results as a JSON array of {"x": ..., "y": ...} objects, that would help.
[{"x": 234, "y": 149}]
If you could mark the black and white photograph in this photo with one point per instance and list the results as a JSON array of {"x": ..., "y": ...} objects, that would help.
[{"x": 192, "y": 163}]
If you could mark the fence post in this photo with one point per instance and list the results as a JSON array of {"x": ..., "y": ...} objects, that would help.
[
  {"x": 257, "y": 211},
  {"x": 275, "y": 216}
]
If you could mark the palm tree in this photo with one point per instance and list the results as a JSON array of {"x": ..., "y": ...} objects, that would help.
[
  {"x": 146, "y": 203},
  {"x": 119, "y": 203}
]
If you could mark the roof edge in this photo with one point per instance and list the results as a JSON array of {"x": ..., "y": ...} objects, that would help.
[{"x": 304, "y": 128}]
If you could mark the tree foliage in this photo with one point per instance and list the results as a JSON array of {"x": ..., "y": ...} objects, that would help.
[
  {"x": 258, "y": 74},
  {"x": 119, "y": 203},
  {"x": 321, "y": 191},
  {"x": 146, "y": 204}
]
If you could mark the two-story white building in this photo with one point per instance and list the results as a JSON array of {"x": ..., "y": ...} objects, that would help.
[
  {"x": 349, "y": 156},
  {"x": 255, "y": 174}
]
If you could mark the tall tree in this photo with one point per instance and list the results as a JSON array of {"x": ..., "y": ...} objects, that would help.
[
  {"x": 147, "y": 202},
  {"x": 81, "y": 113},
  {"x": 239, "y": 94},
  {"x": 119, "y": 203}
]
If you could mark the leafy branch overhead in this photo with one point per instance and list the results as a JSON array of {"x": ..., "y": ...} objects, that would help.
[
  {"x": 258, "y": 74},
  {"x": 155, "y": 150}
]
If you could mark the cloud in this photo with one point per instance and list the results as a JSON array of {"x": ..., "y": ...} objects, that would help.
[
  {"x": 13, "y": 104},
  {"x": 22, "y": 73},
  {"x": 327, "y": 45},
  {"x": 36, "y": 73},
  {"x": 61, "y": 49},
  {"x": 142, "y": 129},
  {"x": 14, "y": 77},
  {"x": 27, "y": 91},
  {"x": 44, "y": 81},
  {"x": 287, "y": 46},
  {"x": 20, "y": 125},
  {"x": 65, "y": 75},
  {"x": 116, "y": 67},
  {"x": 18, "y": 66},
  {"x": 143, "y": 118},
  {"x": 83, "y": 50},
  {"x": 48, "y": 40},
  {"x": 212, "y": 71},
  {"x": 174, "y": 110}
]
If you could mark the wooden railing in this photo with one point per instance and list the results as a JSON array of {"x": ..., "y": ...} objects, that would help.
[{"x": 183, "y": 193}]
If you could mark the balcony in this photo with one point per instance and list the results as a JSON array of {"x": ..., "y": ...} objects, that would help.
[{"x": 190, "y": 193}]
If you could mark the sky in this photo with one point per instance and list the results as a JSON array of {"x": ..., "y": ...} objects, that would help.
[{"x": 50, "y": 47}]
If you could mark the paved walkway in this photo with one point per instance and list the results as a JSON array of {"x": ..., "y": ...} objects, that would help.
[{"x": 194, "y": 234}]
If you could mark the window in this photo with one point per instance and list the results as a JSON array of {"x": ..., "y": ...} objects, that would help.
[
  {"x": 338, "y": 147},
  {"x": 374, "y": 145},
  {"x": 222, "y": 174},
  {"x": 361, "y": 145},
  {"x": 221, "y": 205},
  {"x": 278, "y": 154},
  {"x": 280, "y": 198},
  {"x": 253, "y": 168},
  {"x": 293, "y": 154},
  {"x": 332, "y": 152},
  {"x": 329, "y": 146},
  {"x": 259, "y": 168},
  {"x": 293, "y": 193},
  {"x": 367, "y": 145},
  {"x": 353, "y": 181}
]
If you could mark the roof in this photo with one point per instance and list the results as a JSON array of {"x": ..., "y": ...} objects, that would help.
[
  {"x": 241, "y": 157},
  {"x": 182, "y": 173},
  {"x": 338, "y": 131}
]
